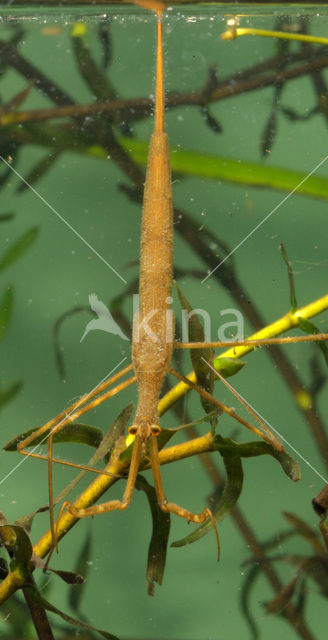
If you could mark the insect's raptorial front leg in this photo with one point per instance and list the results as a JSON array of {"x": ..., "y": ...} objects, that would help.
[
  {"x": 171, "y": 507},
  {"x": 113, "y": 504}
]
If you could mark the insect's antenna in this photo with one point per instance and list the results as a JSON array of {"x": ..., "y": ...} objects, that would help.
[{"x": 159, "y": 108}]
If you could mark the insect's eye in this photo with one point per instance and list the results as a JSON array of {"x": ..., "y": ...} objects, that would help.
[
  {"x": 132, "y": 430},
  {"x": 155, "y": 430}
]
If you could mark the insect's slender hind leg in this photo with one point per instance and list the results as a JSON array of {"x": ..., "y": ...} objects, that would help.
[
  {"x": 98, "y": 508},
  {"x": 113, "y": 504},
  {"x": 171, "y": 507}
]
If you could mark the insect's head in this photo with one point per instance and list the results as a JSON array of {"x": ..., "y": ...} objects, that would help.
[{"x": 144, "y": 429}]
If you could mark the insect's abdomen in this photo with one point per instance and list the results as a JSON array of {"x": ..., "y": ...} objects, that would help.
[{"x": 153, "y": 329}]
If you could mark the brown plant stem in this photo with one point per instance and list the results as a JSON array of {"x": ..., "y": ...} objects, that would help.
[
  {"x": 39, "y": 616},
  {"x": 134, "y": 109}
]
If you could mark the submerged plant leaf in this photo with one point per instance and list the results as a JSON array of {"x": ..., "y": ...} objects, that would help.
[
  {"x": 228, "y": 366},
  {"x": 19, "y": 98},
  {"x": 304, "y": 529},
  {"x": 70, "y": 577},
  {"x": 250, "y": 449},
  {"x": 9, "y": 393},
  {"x": 222, "y": 168},
  {"x": 105, "y": 40},
  {"x": 292, "y": 291},
  {"x": 81, "y": 567},
  {"x": 281, "y": 600},
  {"x": 18, "y": 248},
  {"x": 212, "y": 122},
  {"x": 39, "y": 170},
  {"x": 316, "y": 568},
  {"x": 6, "y": 307},
  {"x": 77, "y": 433},
  {"x": 320, "y": 502},
  {"x": 245, "y": 594},
  {"x": 269, "y": 133},
  {"x": 232, "y": 454},
  {"x": 5, "y": 217},
  {"x": 114, "y": 432},
  {"x": 18, "y": 543},
  {"x": 301, "y": 599},
  {"x": 38, "y": 599},
  {"x": 93, "y": 75},
  {"x": 159, "y": 539},
  {"x": 228, "y": 500},
  {"x": 308, "y": 327}
]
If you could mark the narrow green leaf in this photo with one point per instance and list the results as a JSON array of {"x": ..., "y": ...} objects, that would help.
[
  {"x": 304, "y": 529},
  {"x": 18, "y": 248},
  {"x": 301, "y": 598},
  {"x": 159, "y": 539},
  {"x": 114, "y": 432},
  {"x": 81, "y": 567},
  {"x": 6, "y": 395},
  {"x": 269, "y": 133},
  {"x": 232, "y": 454},
  {"x": 70, "y": 577},
  {"x": 19, "y": 97},
  {"x": 6, "y": 308},
  {"x": 292, "y": 291},
  {"x": 39, "y": 170},
  {"x": 260, "y": 448},
  {"x": 284, "y": 596},
  {"x": 5, "y": 217},
  {"x": 18, "y": 542},
  {"x": 211, "y": 122},
  {"x": 222, "y": 168},
  {"x": 93, "y": 75},
  {"x": 228, "y": 500},
  {"x": 245, "y": 595},
  {"x": 308, "y": 327},
  {"x": 77, "y": 433},
  {"x": 38, "y": 599},
  {"x": 228, "y": 366},
  {"x": 316, "y": 568}
]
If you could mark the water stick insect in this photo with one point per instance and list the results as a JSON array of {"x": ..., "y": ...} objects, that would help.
[{"x": 153, "y": 332}]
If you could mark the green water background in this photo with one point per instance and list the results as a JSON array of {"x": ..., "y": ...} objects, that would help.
[{"x": 199, "y": 598}]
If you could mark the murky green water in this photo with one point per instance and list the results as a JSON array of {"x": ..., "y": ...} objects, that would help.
[{"x": 88, "y": 242}]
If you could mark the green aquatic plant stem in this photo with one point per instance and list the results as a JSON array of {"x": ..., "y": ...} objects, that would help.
[{"x": 232, "y": 34}]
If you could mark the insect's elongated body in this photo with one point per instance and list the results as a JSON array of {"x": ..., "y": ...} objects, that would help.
[{"x": 153, "y": 325}]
